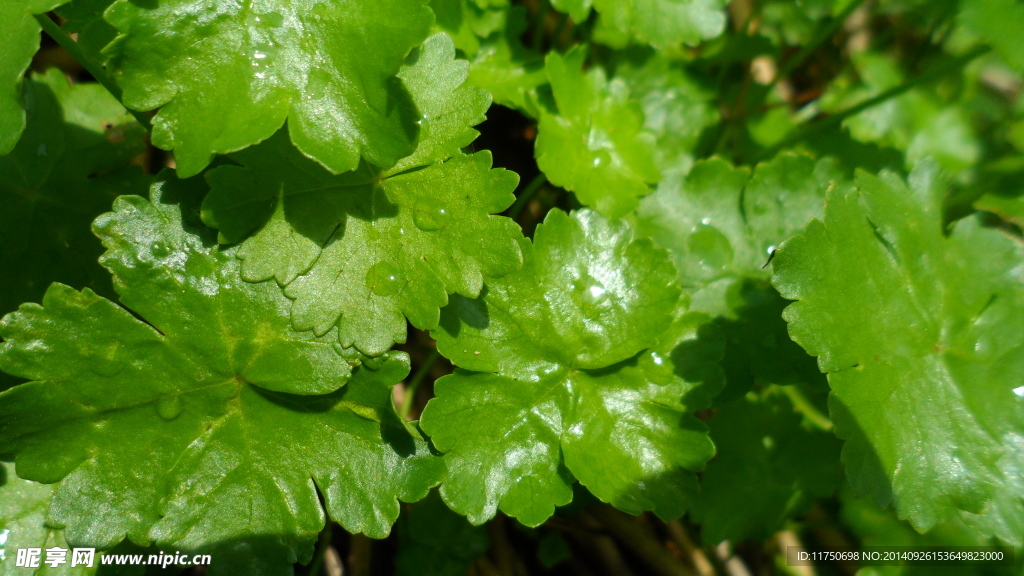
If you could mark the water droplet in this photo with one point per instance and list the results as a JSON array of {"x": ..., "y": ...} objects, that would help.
[
  {"x": 1019, "y": 391},
  {"x": 657, "y": 359},
  {"x": 169, "y": 407},
  {"x": 430, "y": 218},
  {"x": 159, "y": 249},
  {"x": 771, "y": 249},
  {"x": 383, "y": 279},
  {"x": 601, "y": 158},
  {"x": 706, "y": 221},
  {"x": 712, "y": 247},
  {"x": 591, "y": 293}
]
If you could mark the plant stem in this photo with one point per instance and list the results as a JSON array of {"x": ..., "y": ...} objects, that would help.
[
  {"x": 809, "y": 48},
  {"x": 804, "y": 406},
  {"x": 414, "y": 383},
  {"x": 98, "y": 72},
  {"x": 627, "y": 531},
  {"x": 923, "y": 78},
  {"x": 526, "y": 195}
]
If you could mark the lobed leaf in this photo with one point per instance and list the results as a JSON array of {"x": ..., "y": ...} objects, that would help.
[
  {"x": 163, "y": 432},
  {"x": 572, "y": 368},
  {"x": 226, "y": 75},
  {"x": 595, "y": 144},
  {"x": 367, "y": 249},
  {"x": 922, "y": 337}
]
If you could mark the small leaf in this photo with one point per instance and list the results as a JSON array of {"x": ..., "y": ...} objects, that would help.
[
  {"x": 568, "y": 369},
  {"x": 434, "y": 541},
  {"x": 595, "y": 145}
]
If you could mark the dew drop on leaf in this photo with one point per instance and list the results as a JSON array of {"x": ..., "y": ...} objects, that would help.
[
  {"x": 430, "y": 218},
  {"x": 159, "y": 249},
  {"x": 711, "y": 247},
  {"x": 383, "y": 279},
  {"x": 169, "y": 407}
]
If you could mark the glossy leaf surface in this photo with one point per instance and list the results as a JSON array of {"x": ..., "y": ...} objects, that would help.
[
  {"x": 595, "y": 145},
  {"x": 227, "y": 75},
  {"x": 916, "y": 326},
  {"x": 226, "y": 405},
  {"x": 572, "y": 368}
]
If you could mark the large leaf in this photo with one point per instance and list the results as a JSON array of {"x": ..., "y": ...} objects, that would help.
[
  {"x": 367, "y": 249},
  {"x": 20, "y": 32},
  {"x": 595, "y": 145},
  {"x": 922, "y": 336},
  {"x": 721, "y": 224},
  {"x": 569, "y": 369},
  {"x": 69, "y": 165},
  {"x": 227, "y": 75},
  {"x": 166, "y": 431}
]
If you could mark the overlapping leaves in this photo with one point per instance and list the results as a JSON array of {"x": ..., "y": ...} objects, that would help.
[
  {"x": 721, "y": 224},
  {"x": 227, "y": 75},
  {"x": 922, "y": 336},
  {"x": 69, "y": 164},
  {"x": 164, "y": 431},
  {"x": 573, "y": 368},
  {"x": 367, "y": 249}
]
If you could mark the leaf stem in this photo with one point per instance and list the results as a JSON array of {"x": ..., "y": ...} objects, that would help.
[
  {"x": 98, "y": 72},
  {"x": 804, "y": 406},
  {"x": 923, "y": 78},
  {"x": 414, "y": 383},
  {"x": 626, "y": 530},
  {"x": 526, "y": 195}
]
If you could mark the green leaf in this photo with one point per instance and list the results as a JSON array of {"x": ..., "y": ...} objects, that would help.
[
  {"x": 365, "y": 250},
  {"x": 919, "y": 123},
  {"x": 577, "y": 9},
  {"x": 23, "y": 506},
  {"x": 677, "y": 108},
  {"x": 227, "y": 75},
  {"x": 1009, "y": 208},
  {"x": 434, "y": 541},
  {"x": 762, "y": 436},
  {"x": 916, "y": 327},
  {"x": 21, "y": 40},
  {"x": 164, "y": 431},
  {"x": 85, "y": 18},
  {"x": 721, "y": 225},
  {"x": 507, "y": 69},
  {"x": 568, "y": 370},
  {"x": 467, "y": 22},
  {"x": 999, "y": 23},
  {"x": 664, "y": 23},
  {"x": 68, "y": 166},
  {"x": 595, "y": 145}
]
